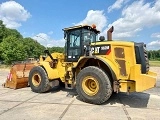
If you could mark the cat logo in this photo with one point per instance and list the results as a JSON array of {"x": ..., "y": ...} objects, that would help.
[
  {"x": 100, "y": 49},
  {"x": 97, "y": 49}
]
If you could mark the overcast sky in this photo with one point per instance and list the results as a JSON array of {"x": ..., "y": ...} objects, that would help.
[{"x": 133, "y": 20}]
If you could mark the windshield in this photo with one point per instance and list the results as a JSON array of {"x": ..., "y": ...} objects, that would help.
[
  {"x": 75, "y": 38},
  {"x": 89, "y": 35}
]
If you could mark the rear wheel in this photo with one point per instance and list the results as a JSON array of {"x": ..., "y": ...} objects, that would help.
[
  {"x": 38, "y": 80},
  {"x": 93, "y": 85},
  {"x": 146, "y": 58}
]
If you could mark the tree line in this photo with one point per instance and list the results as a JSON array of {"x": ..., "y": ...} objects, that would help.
[
  {"x": 13, "y": 47},
  {"x": 154, "y": 55}
]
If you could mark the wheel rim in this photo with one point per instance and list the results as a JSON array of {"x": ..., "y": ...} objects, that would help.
[
  {"x": 36, "y": 79},
  {"x": 90, "y": 85}
]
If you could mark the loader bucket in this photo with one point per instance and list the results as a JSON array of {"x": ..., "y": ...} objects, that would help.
[{"x": 18, "y": 76}]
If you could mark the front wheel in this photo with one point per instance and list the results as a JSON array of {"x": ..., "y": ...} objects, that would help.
[
  {"x": 93, "y": 85},
  {"x": 38, "y": 80}
]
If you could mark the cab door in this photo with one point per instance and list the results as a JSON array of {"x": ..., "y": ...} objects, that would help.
[{"x": 74, "y": 46}]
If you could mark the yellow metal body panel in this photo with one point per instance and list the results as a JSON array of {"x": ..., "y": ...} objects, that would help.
[
  {"x": 143, "y": 81},
  {"x": 59, "y": 70},
  {"x": 115, "y": 43},
  {"x": 127, "y": 86},
  {"x": 112, "y": 64},
  {"x": 138, "y": 82},
  {"x": 104, "y": 58},
  {"x": 51, "y": 72},
  {"x": 129, "y": 57}
]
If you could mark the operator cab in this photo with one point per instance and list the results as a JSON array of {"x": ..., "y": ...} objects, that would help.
[{"x": 76, "y": 38}]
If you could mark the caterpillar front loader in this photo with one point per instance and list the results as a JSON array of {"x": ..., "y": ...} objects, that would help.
[{"x": 96, "y": 68}]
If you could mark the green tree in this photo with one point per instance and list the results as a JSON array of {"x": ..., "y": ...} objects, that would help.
[
  {"x": 12, "y": 32},
  {"x": 56, "y": 49},
  {"x": 32, "y": 48},
  {"x": 5, "y": 32},
  {"x": 12, "y": 49},
  {"x": 154, "y": 54},
  {"x": 2, "y": 29}
]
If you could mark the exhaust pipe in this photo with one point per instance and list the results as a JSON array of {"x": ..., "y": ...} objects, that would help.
[{"x": 109, "y": 33}]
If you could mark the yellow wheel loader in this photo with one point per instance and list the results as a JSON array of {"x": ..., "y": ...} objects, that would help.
[{"x": 95, "y": 67}]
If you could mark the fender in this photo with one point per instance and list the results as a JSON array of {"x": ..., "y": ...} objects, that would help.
[
  {"x": 51, "y": 72},
  {"x": 112, "y": 67}
]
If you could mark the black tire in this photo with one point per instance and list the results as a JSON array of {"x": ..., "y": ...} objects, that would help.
[
  {"x": 104, "y": 85},
  {"x": 146, "y": 59},
  {"x": 38, "y": 80}
]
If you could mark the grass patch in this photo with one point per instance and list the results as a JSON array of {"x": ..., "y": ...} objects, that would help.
[{"x": 154, "y": 63}]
